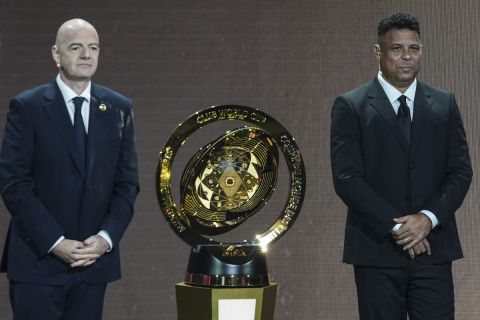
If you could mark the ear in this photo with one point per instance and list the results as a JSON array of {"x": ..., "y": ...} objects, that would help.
[
  {"x": 377, "y": 51},
  {"x": 56, "y": 55}
]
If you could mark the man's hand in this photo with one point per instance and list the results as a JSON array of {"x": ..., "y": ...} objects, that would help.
[
  {"x": 415, "y": 228},
  {"x": 92, "y": 248},
  {"x": 65, "y": 251},
  {"x": 420, "y": 248}
]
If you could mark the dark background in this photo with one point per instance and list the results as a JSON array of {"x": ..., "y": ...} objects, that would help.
[{"x": 291, "y": 59}]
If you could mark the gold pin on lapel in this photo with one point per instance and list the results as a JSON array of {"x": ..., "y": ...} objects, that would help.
[{"x": 102, "y": 107}]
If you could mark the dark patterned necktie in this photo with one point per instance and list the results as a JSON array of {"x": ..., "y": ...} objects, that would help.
[
  {"x": 404, "y": 118},
  {"x": 79, "y": 127}
]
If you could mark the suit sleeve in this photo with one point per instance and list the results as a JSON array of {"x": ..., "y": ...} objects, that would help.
[
  {"x": 36, "y": 225},
  {"x": 375, "y": 212},
  {"x": 126, "y": 185},
  {"x": 458, "y": 176}
]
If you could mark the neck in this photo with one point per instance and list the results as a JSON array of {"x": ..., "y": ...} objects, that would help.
[
  {"x": 78, "y": 86},
  {"x": 401, "y": 86}
]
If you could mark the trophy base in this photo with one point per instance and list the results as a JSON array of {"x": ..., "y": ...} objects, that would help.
[
  {"x": 227, "y": 265},
  {"x": 194, "y": 303}
]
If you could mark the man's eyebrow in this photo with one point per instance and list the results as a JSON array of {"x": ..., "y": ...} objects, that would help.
[
  {"x": 79, "y": 44},
  {"x": 405, "y": 45}
]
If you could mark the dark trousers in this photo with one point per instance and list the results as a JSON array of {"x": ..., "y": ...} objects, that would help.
[
  {"x": 74, "y": 301},
  {"x": 424, "y": 292}
]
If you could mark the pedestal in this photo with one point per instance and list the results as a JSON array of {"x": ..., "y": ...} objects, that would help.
[{"x": 207, "y": 303}]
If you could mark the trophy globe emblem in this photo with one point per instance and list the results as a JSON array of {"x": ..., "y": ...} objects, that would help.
[{"x": 229, "y": 180}]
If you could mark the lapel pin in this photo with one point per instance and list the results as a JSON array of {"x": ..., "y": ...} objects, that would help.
[{"x": 102, "y": 107}]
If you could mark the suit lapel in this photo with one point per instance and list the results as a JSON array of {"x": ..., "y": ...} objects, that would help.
[
  {"x": 422, "y": 111},
  {"x": 98, "y": 107},
  {"x": 379, "y": 101},
  {"x": 57, "y": 111}
]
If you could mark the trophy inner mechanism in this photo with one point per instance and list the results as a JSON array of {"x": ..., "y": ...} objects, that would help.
[{"x": 229, "y": 180}]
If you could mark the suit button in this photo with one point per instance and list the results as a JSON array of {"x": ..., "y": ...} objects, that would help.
[{"x": 412, "y": 164}]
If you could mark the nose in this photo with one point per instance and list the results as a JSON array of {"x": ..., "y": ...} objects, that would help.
[
  {"x": 85, "y": 54},
  {"x": 406, "y": 55}
]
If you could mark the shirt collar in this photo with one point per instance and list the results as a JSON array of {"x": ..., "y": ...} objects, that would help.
[
  {"x": 392, "y": 93},
  {"x": 69, "y": 94}
]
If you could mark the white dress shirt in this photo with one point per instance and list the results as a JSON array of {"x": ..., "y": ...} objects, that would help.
[{"x": 68, "y": 95}]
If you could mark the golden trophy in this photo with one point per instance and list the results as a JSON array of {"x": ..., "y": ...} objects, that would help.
[{"x": 224, "y": 184}]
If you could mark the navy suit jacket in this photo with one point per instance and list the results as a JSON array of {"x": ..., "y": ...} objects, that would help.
[
  {"x": 380, "y": 177},
  {"x": 49, "y": 192}
]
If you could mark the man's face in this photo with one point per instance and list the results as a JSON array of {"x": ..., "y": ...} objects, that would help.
[
  {"x": 76, "y": 51},
  {"x": 399, "y": 54}
]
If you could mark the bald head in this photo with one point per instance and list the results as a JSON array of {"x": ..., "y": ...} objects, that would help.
[
  {"x": 76, "y": 52},
  {"x": 71, "y": 27}
]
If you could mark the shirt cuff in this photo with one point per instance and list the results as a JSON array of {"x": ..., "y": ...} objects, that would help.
[
  {"x": 431, "y": 216},
  {"x": 56, "y": 243},
  {"x": 396, "y": 227},
  {"x": 104, "y": 234}
]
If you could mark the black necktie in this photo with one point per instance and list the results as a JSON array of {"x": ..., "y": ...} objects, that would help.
[
  {"x": 404, "y": 118},
  {"x": 79, "y": 127}
]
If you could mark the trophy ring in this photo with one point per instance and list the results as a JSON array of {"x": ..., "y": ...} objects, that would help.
[{"x": 224, "y": 184}]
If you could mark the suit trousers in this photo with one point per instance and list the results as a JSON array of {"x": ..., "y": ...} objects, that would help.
[
  {"x": 424, "y": 292},
  {"x": 76, "y": 300}
]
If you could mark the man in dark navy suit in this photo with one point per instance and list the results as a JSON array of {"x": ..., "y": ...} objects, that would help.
[
  {"x": 68, "y": 176},
  {"x": 400, "y": 163}
]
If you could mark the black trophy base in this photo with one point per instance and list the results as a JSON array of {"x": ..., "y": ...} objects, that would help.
[{"x": 227, "y": 265}]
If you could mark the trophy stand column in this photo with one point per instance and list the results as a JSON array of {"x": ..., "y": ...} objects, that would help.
[{"x": 220, "y": 303}]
